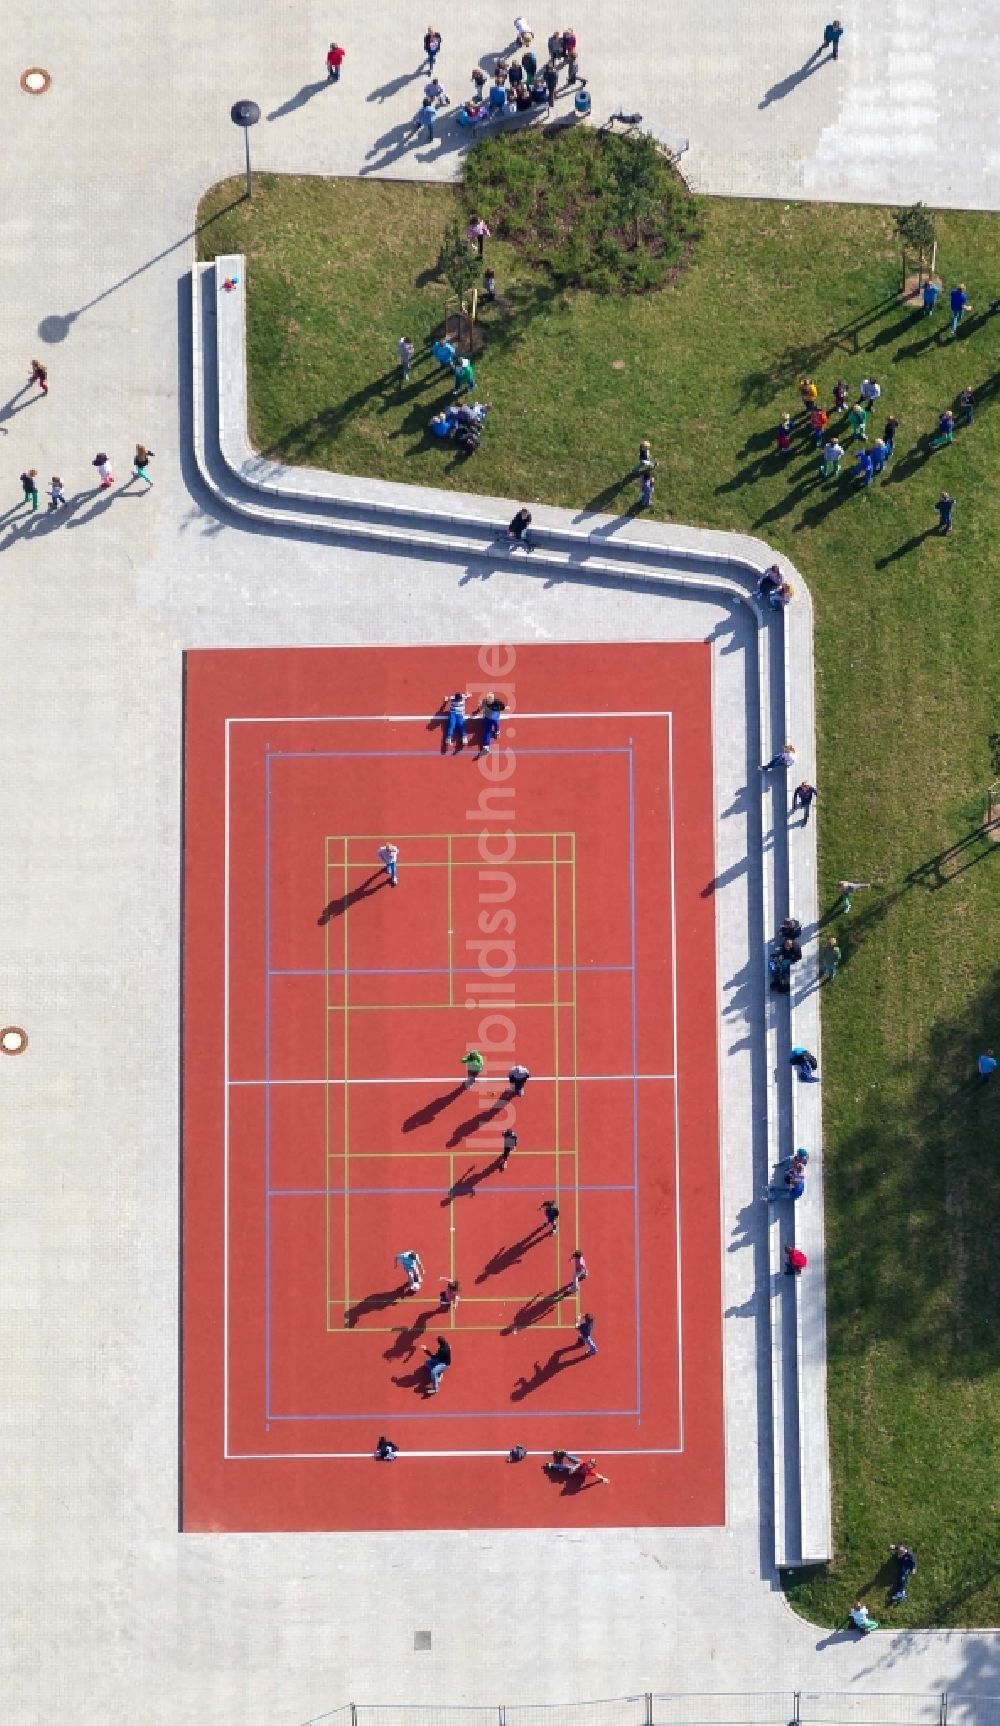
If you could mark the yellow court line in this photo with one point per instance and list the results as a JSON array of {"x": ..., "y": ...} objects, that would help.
[
  {"x": 576, "y": 1064},
  {"x": 395, "y": 1330},
  {"x": 346, "y": 1089},
  {"x": 555, "y": 1045},
  {"x": 475, "y": 863},
  {"x": 357, "y": 1156}
]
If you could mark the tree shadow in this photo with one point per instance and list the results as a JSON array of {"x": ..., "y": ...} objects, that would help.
[
  {"x": 785, "y": 86},
  {"x": 336, "y": 907},
  {"x": 423, "y": 1116},
  {"x": 512, "y": 1255},
  {"x": 301, "y": 97},
  {"x": 568, "y": 1354},
  {"x": 373, "y": 1303},
  {"x": 954, "y": 860}
]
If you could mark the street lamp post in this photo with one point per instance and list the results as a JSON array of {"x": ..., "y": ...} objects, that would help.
[{"x": 245, "y": 114}]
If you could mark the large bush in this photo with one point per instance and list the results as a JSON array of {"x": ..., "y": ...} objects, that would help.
[{"x": 608, "y": 213}]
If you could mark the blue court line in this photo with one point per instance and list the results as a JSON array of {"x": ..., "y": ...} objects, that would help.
[
  {"x": 443, "y": 971},
  {"x": 470, "y": 1413},
  {"x": 393, "y": 1192}
]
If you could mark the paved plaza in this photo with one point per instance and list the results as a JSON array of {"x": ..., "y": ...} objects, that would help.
[{"x": 109, "y": 1615}]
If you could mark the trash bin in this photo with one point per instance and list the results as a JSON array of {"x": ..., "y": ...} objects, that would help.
[{"x": 581, "y": 104}]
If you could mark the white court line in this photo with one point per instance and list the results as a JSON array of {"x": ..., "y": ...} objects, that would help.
[
  {"x": 536, "y": 1079},
  {"x": 410, "y": 1455}
]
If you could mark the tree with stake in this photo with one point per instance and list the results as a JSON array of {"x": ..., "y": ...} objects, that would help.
[
  {"x": 459, "y": 265},
  {"x": 915, "y": 229}
]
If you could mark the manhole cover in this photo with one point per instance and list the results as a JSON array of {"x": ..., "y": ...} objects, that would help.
[
  {"x": 35, "y": 81},
  {"x": 13, "y": 1041},
  {"x": 421, "y": 1639}
]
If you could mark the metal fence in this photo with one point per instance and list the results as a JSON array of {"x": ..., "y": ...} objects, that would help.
[{"x": 760, "y": 1708}]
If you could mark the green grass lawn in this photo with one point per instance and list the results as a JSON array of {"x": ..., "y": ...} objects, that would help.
[{"x": 908, "y": 653}]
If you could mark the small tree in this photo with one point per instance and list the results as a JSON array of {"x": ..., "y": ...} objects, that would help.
[
  {"x": 915, "y": 230},
  {"x": 636, "y": 168},
  {"x": 458, "y": 264}
]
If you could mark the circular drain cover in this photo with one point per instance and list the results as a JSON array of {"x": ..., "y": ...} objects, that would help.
[{"x": 35, "y": 81}]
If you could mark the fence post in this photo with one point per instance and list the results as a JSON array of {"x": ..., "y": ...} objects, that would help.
[
  {"x": 649, "y": 1708},
  {"x": 944, "y": 1708},
  {"x": 354, "y": 1714},
  {"x": 501, "y": 1714},
  {"x": 796, "y": 1708}
]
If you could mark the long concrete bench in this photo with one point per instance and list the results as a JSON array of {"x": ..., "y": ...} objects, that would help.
[{"x": 413, "y": 517}]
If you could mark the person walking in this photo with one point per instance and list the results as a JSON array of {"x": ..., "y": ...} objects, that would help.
[
  {"x": 509, "y": 1145},
  {"x": 986, "y": 1066},
  {"x": 647, "y": 485},
  {"x": 473, "y": 1062},
  {"x": 29, "y": 486},
  {"x": 645, "y": 463},
  {"x": 413, "y": 1266},
  {"x": 57, "y": 496},
  {"x": 40, "y": 376},
  {"x": 551, "y": 1210},
  {"x": 833, "y": 455},
  {"x": 427, "y": 118},
  {"x": 405, "y": 350},
  {"x": 438, "y": 1363},
  {"x": 944, "y": 506},
  {"x": 831, "y": 37},
  {"x": 929, "y": 295},
  {"x": 802, "y": 798},
  {"x": 455, "y": 727},
  {"x": 579, "y": 1273},
  {"x": 889, "y": 431},
  {"x": 795, "y": 1261},
  {"x": 967, "y": 406},
  {"x": 432, "y": 45},
  {"x": 450, "y": 1295},
  {"x": 784, "y": 758},
  {"x": 879, "y": 455},
  {"x": 959, "y": 306},
  {"x": 829, "y": 959},
  {"x": 334, "y": 61},
  {"x": 140, "y": 463},
  {"x": 478, "y": 233},
  {"x": 517, "y": 1078},
  {"x": 388, "y": 856},
  {"x": 105, "y": 477},
  {"x": 585, "y": 1332},
  {"x": 490, "y": 283},
  {"x": 847, "y": 888}
]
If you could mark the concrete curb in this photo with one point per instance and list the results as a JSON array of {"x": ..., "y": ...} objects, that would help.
[{"x": 723, "y": 565}]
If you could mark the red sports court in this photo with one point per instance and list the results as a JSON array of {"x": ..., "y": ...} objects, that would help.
[{"x": 554, "y": 908}]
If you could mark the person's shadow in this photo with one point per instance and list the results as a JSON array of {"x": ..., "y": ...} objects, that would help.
[
  {"x": 464, "y": 1186},
  {"x": 14, "y": 405},
  {"x": 373, "y": 1303},
  {"x": 405, "y": 1345},
  {"x": 534, "y": 1310},
  {"x": 558, "y": 1361},
  {"x": 299, "y": 100},
  {"x": 423, "y": 1117},
  {"x": 786, "y": 85},
  {"x": 384, "y": 91},
  {"x": 465, "y": 1129},
  {"x": 511, "y": 1255},
  {"x": 337, "y": 907},
  {"x": 418, "y": 1380}
]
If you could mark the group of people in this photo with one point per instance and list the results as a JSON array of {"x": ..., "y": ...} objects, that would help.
[
  {"x": 871, "y": 459},
  {"x": 521, "y": 82},
  {"x": 56, "y": 490}
]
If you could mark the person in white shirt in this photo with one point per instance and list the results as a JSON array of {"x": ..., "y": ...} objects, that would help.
[
  {"x": 523, "y": 32},
  {"x": 387, "y": 856}
]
